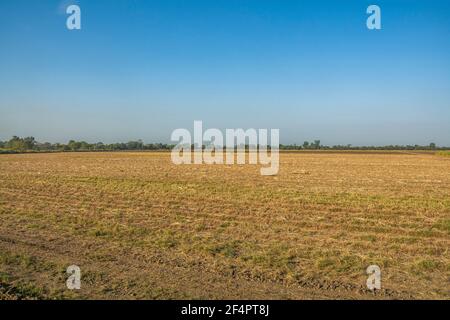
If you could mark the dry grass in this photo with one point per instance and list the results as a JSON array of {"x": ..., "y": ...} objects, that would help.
[{"x": 141, "y": 227}]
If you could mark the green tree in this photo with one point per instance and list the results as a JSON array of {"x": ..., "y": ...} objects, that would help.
[
  {"x": 74, "y": 145},
  {"x": 16, "y": 143},
  {"x": 316, "y": 144},
  {"x": 29, "y": 143}
]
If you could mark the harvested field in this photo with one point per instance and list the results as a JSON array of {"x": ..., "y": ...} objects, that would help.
[{"x": 141, "y": 227}]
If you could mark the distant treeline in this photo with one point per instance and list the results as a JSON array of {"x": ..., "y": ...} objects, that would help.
[
  {"x": 317, "y": 146},
  {"x": 29, "y": 144}
]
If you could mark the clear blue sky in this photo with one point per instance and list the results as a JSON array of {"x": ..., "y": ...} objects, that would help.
[{"x": 142, "y": 68}]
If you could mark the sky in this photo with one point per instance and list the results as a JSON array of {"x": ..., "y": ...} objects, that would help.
[{"x": 139, "y": 69}]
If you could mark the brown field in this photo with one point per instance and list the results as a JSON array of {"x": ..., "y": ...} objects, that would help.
[{"x": 140, "y": 227}]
